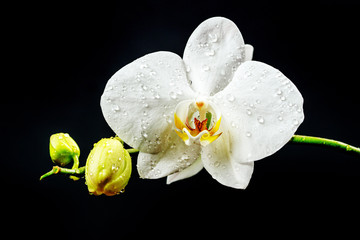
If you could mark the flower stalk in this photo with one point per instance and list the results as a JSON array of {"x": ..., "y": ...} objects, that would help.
[
  {"x": 318, "y": 141},
  {"x": 78, "y": 172},
  {"x": 75, "y": 172}
]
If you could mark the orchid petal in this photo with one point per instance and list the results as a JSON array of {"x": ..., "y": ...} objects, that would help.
[
  {"x": 249, "y": 51},
  {"x": 175, "y": 158},
  {"x": 223, "y": 165},
  {"x": 262, "y": 107},
  {"x": 139, "y": 100},
  {"x": 190, "y": 171},
  {"x": 213, "y": 53}
]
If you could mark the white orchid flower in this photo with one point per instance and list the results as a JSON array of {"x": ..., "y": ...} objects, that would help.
[{"x": 214, "y": 109}]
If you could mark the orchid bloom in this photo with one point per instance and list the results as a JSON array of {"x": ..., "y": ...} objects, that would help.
[{"x": 214, "y": 108}]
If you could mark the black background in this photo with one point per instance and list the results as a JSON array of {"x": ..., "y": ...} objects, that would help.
[{"x": 57, "y": 59}]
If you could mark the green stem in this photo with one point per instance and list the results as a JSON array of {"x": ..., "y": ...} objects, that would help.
[
  {"x": 75, "y": 166},
  {"x": 76, "y": 162},
  {"x": 325, "y": 142},
  {"x": 132, "y": 150},
  {"x": 78, "y": 172}
]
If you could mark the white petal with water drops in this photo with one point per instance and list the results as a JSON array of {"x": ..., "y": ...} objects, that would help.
[
  {"x": 190, "y": 171},
  {"x": 271, "y": 113},
  {"x": 138, "y": 100},
  {"x": 221, "y": 161},
  {"x": 213, "y": 52},
  {"x": 176, "y": 157}
]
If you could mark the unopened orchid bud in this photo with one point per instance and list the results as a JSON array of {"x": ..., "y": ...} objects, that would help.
[
  {"x": 108, "y": 168},
  {"x": 63, "y": 149}
]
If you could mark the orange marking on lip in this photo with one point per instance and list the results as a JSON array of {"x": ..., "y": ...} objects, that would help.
[{"x": 199, "y": 104}]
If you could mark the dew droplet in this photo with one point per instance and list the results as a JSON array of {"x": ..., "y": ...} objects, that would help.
[
  {"x": 144, "y": 87},
  {"x": 280, "y": 118},
  {"x": 230, "y": 97},
  {"x": 157, "y": 172},
  {"x": 145, "y": 135},
  {"x": 114, "y": 167},
  {"x": 179, "y": 92},
  {"x": 261, "y": 120},
  {"x": 205, "y": 68},
  {"x": 156, "y": 96},
  {"x": 115, "y": 108},
  {"x": 144, "y": 65},
  {"x": 248, "y": 112},
  {"x": 213, "y": 37},
  {"x": 185, "y": 157},
  {"x": 295, "y": 122},
  {"x": 279, "y": 75},
  {"x": 248, "y": 134},
  {"x": 248, "y": 74},
  {"x": 283, "y": 98},
  {"x": 173, "y": 95},
  {"x": 210, "y": 53},
  {"x": 217, "y": 163}
]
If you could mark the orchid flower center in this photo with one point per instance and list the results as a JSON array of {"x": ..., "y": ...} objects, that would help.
[{"x": 197, "y": 122}]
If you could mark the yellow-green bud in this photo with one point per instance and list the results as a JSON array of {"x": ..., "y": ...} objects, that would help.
[
  {"x": 63, "y": 149},
  {"x": 108, "y": 168}
]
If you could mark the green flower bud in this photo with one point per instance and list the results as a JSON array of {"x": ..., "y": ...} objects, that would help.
[
  {"x": 63, "y": 149},
  {"x": 108, "y": 168}
]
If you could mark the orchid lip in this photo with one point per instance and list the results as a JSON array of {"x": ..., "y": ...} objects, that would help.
[{"x": 201, "y": 127}]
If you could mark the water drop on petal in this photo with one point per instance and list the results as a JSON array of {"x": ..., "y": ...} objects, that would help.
[
  {"x": 173, "y": 95},
  {"x": 295, "y": 122},
  {"x": 144, "y": 87},
  {"x": 230, "y": 97},
  {"x": 115, "y": 108},
  {"x": 213, "y": 37},
  {"x": 144, "y": 65},
  {"x": 156, "y": 96},
  {"x": 205, "y": 68},
  {"x": 261, "y": 120},
  {"x": 210, "y": 53}
]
